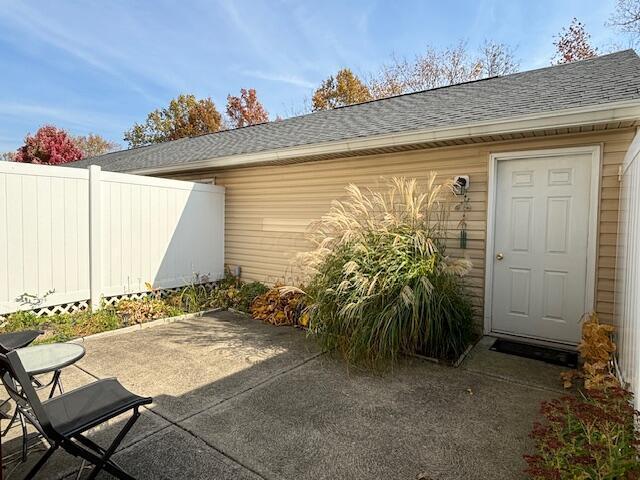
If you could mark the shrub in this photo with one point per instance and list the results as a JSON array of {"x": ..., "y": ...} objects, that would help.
[
  {"x": 87, "y": 323},
  {"x": 193, "y": 298},
  {"x": 226, "y": 293},
  {"x": 382, "y": 282},
  {"x": 280, "y": 306},
  {"x": 63, "y": 327},
  {"x": 230, "y": 292},
  {"x": 66, "y": 326},
  {"x": 597, "y": 350},
  {"x": 248, "y": 293},
  {"x": 139, "y": 311},
  {"x": 19, "y": 321},
  {"x": 590, "y": 437}
]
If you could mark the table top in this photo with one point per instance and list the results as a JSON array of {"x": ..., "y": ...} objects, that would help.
[{"x": 39, "y": 359}]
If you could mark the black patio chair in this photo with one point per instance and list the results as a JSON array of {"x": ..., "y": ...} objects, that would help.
[
  {"x": 13, "y": 340},
  {"x": 63, "y": 420}
]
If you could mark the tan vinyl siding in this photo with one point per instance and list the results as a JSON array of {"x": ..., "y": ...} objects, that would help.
[{"x": 268, "y": 208}]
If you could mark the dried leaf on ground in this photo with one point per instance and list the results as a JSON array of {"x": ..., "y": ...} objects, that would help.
[
  {"x": 280, "y": 306},
  {"x": 139, "y": 311},
  {"x": 568, "y": 377}
]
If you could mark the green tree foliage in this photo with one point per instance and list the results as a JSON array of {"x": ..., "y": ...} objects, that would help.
[{"x": 186, "y": 116}]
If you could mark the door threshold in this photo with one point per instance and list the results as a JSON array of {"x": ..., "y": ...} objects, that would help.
[
  {"x": 535, "y": 341},
  {"x": 554, "y": 356}
]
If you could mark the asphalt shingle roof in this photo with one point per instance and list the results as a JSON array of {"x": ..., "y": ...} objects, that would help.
[{"x": 602, "y": 80}]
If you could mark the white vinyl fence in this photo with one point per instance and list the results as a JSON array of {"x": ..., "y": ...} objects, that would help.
[
  {"x": 72, "y": 235},
  {"x": 628, "y": 271}
]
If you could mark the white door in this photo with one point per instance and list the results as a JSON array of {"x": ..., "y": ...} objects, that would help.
[{"x": 540, "y": 246}]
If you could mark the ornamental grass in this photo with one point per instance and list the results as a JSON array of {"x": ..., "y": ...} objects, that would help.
[{"x": 382, "y": 284}]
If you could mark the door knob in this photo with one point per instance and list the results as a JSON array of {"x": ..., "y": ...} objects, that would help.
[{"x": 499, "y": 256}]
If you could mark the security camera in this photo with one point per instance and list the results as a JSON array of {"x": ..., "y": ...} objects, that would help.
[{"x": 460, "y": 183}]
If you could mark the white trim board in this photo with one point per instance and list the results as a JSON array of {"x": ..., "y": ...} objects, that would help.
[{"x": 594, "y": 203}]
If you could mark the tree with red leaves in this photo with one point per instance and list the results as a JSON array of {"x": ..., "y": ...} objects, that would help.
[
  {"x": 50, "y": 146},
  {"x": 245, "y": 109},
  {"x": 573, "y": 44}
]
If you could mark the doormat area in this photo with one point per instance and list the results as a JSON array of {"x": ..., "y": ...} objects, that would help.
[{"x": 554, "y": 356}]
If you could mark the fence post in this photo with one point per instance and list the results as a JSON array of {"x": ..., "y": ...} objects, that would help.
[{"x": 95, "y": 239}]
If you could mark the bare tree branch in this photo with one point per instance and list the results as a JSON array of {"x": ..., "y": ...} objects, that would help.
[
  {"x": 626, "y": 17},
  {"x": 437, "y": 68}
]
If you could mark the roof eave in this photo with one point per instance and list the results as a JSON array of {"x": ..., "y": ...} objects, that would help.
[{"x": 610, "y": 112}]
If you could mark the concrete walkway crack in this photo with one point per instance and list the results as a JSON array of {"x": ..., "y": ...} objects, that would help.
[
  {"x": 261, "y": 383},
  {"x": 511, "y": 381}
]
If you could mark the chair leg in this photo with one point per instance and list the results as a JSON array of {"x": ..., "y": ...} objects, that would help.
[
  {"x": 36, "y": 468},
  {"x": 23, "y": 424},
  {"x": 81, "y": 469},
  {"x": 109, "y": 465},
  {"x": 104, "y": 461},
  {"x": 11, "y": 422},
  {"x": 112, "y": 448},
  {"x": 6, "y": 401},
  {"x": 96, "y": 448},
  {"x": 116, "y": 471},
  {"x": 56, "y": 382}
]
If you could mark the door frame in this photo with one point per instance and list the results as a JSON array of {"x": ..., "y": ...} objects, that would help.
[{"x": 595, "y": 151}]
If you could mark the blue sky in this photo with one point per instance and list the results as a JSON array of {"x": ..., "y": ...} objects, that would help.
[{"x": 100, "y": 66}]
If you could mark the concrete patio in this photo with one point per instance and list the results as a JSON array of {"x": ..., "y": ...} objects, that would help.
[{"x": 236, "y": 399}]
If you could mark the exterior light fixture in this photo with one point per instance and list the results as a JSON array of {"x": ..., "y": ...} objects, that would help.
[{"x": 460, "y": 184}]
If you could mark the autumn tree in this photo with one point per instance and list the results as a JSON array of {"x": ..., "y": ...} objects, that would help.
[
  {"x": 185, "y": 116},
  {"x": 496, "y": 59},
  {"x": 343, "y": 89},
  {"x": 572, "y": 44},
  {"x": 8, "y": 157},
  {"x": 457, "y": 65},
  {"x": 441, "y": 67},
  {"x": 49, "y": 145},
  {"x": 245, "y": 109},
  {"x": 93, "y": 145},
  {"x": 394, "y": 78}
]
